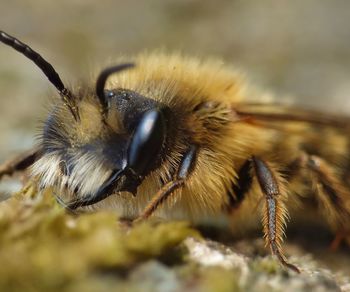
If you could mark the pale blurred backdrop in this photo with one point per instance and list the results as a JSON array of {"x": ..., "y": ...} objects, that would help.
[{"x": 292, "y": 48}]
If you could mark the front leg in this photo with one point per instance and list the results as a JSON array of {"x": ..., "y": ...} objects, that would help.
[
  {"x": 186, "y": 167},
  {"x": 275, "y": 214},
  {"x": 20, "y": 162}
]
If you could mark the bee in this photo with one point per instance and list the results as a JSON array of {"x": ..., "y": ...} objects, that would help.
[{"x": 178, "y": 137}]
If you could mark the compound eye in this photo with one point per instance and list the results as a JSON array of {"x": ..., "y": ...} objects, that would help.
[{"x": 146, "y": 143}]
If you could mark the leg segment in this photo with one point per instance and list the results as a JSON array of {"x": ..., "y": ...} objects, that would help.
[
  {"x": 185, "y": 169},
  {"x": 330, "y": 192},
  {"x": 275, "y": 213},
  {"x": 239, "y": 188},
  {"x": 332, "y": 195},
  {"x": 20, "y": 162},
  {"x": 273, "y": 187}
]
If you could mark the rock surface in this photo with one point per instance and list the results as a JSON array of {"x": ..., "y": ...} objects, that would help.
[{"x": 44, "y": 248}]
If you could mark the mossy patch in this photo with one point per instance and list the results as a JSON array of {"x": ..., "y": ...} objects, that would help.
[{"x": 45, "y": 247}]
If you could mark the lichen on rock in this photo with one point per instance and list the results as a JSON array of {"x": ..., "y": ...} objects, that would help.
[{"x": 45, "y": 248}]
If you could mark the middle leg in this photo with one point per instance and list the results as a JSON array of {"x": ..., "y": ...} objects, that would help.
[
  {"x": 186, "y": 167},
  {"x": 275, "y": 216}
]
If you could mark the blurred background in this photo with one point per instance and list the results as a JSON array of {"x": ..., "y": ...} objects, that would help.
[{"x": 292, "y": 48}]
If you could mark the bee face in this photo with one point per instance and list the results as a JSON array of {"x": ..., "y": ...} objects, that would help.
[{"x": 103, "y": 152}]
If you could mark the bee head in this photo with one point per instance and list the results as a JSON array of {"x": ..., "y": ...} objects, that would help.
[
  {"x": 96, "y": 141},
  {"x": 115, "y": 139}
]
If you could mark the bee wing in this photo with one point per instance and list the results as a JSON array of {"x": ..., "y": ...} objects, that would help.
[{"x": 256, "y": 113}]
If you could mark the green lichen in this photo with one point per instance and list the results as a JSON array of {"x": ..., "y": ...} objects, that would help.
[
  {"x": 218, "y": 279},
  {"x": 267, "y": 265},
  {"x": 44, "y": 247}
]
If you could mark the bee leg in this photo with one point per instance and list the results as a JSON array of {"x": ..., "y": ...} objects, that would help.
[
  {"x": 340, "y": 237},
  {"x": 239, "y": 189},
  {"x": 332, "y": 195},
  {"x": 330, "y": 192},
  {"x": 185, "y": 169},
  {"x": 160, "y": 198},
  {"x": 19, "y": 163},
  {"x": 275, "y": 212}
]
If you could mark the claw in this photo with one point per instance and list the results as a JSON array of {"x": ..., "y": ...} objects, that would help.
[{"x": 340, "y": 237}]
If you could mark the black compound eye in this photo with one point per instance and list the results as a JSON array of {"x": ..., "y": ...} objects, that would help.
[{"x": 147, "y": 141}]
